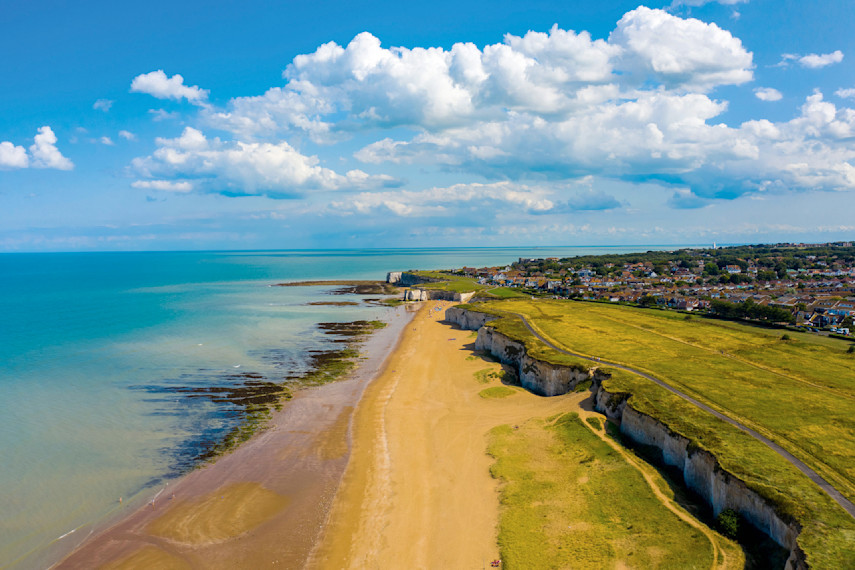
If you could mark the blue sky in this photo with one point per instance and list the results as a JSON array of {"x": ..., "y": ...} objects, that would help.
[{"x": 224, "y": 125}]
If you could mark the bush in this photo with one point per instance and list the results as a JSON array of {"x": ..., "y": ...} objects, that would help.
[
  {"x": 785, "y": 337},
  {"x": 851, "y": 348},
  {"x": 728, "y": 522}
]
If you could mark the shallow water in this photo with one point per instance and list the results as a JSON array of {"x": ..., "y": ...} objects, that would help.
[{"x": 89, "y": 341}]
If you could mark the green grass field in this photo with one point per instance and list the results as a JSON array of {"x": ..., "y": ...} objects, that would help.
[
  {"x": 449, "y": 282},
  {"x": 568, "y": 500},
  {"x": 505, "y": 293},
  {"x": 800, "y": 393}
]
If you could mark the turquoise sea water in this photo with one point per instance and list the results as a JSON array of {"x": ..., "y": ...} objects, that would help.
[{"x": 91, "y": 345}]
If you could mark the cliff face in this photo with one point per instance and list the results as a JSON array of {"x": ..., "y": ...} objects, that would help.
[
  {"x": 535, "y": 375},
  {"x": 701, "y": 470},
  {"x": 468, "y": 320},
  {"x": 436, "y": 295},
  {"x": 704, "y": 475}
]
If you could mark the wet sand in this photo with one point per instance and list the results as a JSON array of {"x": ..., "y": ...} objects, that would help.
[
  {"x": 262, "y": 505},
  {"x": 417, "y": 492}
]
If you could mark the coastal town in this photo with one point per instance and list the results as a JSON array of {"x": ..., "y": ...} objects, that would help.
[{"x": 812, "y": 286}]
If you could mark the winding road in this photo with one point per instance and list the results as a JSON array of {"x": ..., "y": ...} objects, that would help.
[{"x": 847, "y": 505}]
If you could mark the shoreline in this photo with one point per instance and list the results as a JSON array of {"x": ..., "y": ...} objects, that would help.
[{"x": 284, "y": 477}]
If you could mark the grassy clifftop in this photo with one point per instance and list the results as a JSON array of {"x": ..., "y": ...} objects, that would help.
[{"x": 798, "y": 392}]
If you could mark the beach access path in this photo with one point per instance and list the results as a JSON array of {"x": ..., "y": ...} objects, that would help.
[
  {"x": 264, "y": 505},
  {"x": 417, "y": 492}
]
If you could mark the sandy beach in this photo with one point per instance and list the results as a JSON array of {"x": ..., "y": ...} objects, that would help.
[
  {"x": 262, "y": 505},
  {"x": 417, "y": 492}
]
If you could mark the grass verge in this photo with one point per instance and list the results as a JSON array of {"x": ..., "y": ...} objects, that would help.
[
  {"x": 497, "y": 392},
  {"x": 571, "y": 501}
]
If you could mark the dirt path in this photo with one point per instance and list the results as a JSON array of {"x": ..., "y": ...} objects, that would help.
[
  {"x": 417, "y": 492},
  {"x": 829, "y": 489}
]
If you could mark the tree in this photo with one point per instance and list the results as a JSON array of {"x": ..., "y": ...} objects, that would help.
[
  {"x": 728, "y": 522},
  {"x": 647, "y": 301}
]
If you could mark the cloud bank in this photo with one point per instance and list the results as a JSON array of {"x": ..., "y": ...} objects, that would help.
[{"x": 637, "y": 106}]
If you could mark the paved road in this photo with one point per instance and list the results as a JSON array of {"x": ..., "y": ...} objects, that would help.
[{"x": 799, "y": 464}]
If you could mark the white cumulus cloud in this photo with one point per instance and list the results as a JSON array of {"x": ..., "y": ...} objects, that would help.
[
  {"x": 44, "y": 152},
  {"x": 680, "y": 51},
  {"x": 768, "y": 94},
  {"x": 239, "y": 168},
  {"x": 815, "y": 61},
  {"x": 157, "y": 84},
  {"x": 811, "y": 60},
  {"x": 127, "y": 135},
  {"x": 13, "y": 156},
  {"x": 41, "y": 154},
  {"x": 548, "y": 74}
]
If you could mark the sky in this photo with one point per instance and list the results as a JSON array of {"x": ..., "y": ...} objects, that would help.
[{"x": 189, "y": 125}]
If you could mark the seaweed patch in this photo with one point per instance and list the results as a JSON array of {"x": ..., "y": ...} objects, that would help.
[{"x": 238, "y": 405}]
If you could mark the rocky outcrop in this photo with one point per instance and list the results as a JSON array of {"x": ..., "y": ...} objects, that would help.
[
  {"x": 405, "y": 279},
  {"x": 701, "y": 470}
]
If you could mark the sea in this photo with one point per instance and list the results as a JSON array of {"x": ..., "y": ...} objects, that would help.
[{"x": 97, "y": 348}]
